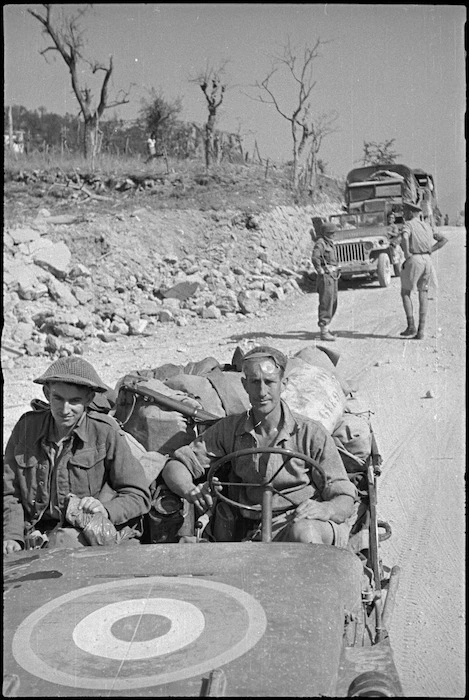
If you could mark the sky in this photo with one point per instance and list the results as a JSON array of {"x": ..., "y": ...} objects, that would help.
[{"x": 390, "y": 71}]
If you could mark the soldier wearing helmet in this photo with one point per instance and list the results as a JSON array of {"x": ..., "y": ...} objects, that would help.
[
  {"x": 324, "y": 259},
  {"x": 65, "y": 447}
]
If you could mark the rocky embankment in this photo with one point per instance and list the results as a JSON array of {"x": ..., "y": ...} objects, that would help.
[{"x": 71, "y": 278}]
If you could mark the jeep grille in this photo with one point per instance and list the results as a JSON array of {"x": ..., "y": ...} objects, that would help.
[{"x": 350, "y": 252}]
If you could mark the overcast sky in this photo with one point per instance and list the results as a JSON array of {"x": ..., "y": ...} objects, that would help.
[{"x": 390, "y": 72}]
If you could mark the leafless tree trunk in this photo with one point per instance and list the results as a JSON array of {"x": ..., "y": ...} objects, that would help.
[
  {"x": 213, "y": 84},
  {"x": 67, "y": 38},
  {"x": 320, "y": 127},
  {"x": 307, "y": 132}
]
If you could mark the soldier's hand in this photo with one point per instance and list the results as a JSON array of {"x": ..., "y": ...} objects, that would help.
[
  {"x": 312, "y": 510},
  {"x": 200, "y": 496},
  {"x": 92, "y": 505},
  {"x": 10, "y": 546}
]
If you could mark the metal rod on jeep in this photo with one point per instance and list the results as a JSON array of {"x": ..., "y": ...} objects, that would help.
[
  {"x": 267, "y": 513},
  {"x": 170, "y": 403}
]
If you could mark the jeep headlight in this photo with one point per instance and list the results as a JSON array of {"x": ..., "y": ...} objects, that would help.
[
  {"x": 373, "y": 684},
  {"x": 368, "y": 245}
]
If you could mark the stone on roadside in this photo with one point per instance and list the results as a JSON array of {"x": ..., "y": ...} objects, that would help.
[
  {"x": 249, "y": 301},
  {"x": 83, "y": 296},
  {"x": 211, "y": 312},
  {"x": 61, "y": 293},
  {"x": 54, "y": 258},
  {"x": 137, "y": 326},
  {"x": 23, "y": 332},
  {"x": 23, "y": 235},
  {"x": 165, "y": 316},
  {"x": 79, "y": 270},
  {"x": 150, "y": 308}
]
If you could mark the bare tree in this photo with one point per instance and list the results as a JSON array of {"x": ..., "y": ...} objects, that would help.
[
  {"x": 320, "y": 127},
  {"x": 379, "y": 153},
  {"x": 307, "y": 132},
  {"x": 213, "y": 83},
  {"x": 68, "y": 39}
]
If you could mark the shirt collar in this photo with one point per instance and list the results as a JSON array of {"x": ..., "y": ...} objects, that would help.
[
  {"x": 289, "y": 424},
  {"x": 80, "y": 429}
]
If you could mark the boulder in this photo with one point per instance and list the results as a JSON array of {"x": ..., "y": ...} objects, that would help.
[{"x": 55, "y": 258}]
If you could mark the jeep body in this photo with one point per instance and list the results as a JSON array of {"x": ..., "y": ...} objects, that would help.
[{"x": 364, "y": 243}]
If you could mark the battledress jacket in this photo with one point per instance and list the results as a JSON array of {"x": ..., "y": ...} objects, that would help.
[
  {"x": 324, "y": 255},
  {"x": 99, "y": 455}
]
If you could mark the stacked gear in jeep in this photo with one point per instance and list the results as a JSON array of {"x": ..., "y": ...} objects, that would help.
[{"x": 164, "y": 408}]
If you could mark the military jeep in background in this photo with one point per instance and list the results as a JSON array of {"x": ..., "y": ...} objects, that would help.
[{"x": 364, "y": 244}]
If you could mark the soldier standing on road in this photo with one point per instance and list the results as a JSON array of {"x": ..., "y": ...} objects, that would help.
[
  {"x": 324, "y": 259},
  {"x": 418, "y": 242}
]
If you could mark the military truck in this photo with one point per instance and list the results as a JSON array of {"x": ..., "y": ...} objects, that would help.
[
  {"x": 367, "y": 243},
  {"x": 393, "y": 183}
]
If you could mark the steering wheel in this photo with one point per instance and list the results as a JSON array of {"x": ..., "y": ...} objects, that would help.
[{"x": 267, "y": 485}]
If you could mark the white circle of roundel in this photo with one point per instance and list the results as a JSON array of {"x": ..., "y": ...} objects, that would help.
[
  {"x": 25, "y": 655},
  {"x": 93, "y": 633}
]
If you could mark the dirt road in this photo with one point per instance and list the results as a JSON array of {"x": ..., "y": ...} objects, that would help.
[{"x": 417, "y": 392}]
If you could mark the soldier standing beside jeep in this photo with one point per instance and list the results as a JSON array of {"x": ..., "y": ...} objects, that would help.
[
  {"x": 324, "y": 259},
  {"x": 419, "y": 241}
]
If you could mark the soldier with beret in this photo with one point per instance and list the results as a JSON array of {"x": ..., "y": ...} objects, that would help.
[
  {"x": 66, "y": 447},
  {"x": 324, "y": 259},
  {"x": 418, "y": 242},
  {"x": 307, "y": 507}
]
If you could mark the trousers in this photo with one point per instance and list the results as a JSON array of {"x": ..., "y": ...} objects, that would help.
[{"x": 327, "y": 288}]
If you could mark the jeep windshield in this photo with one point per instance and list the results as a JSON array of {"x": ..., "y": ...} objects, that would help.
[{"x": 358, "y": 220}]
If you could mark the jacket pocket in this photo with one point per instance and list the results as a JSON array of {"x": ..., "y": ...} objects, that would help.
[
  {"x": 28, "y": 466},
  {"x": 24, "y": 459},
  {"x": 87, "y": 471}
]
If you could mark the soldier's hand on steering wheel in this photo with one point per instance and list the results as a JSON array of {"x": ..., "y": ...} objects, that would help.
[{"x": 201, "y": 496}]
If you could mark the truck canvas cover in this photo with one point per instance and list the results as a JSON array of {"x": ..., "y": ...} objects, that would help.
[{"x": 361, "y": 182}]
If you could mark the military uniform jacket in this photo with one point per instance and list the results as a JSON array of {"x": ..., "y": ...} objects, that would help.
[
  {"x": 324, "y": 254},
  {"x": 99, "y": 455}
]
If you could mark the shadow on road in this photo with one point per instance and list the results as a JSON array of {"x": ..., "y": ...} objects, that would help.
[
  {"x": 361, "y": 336},
  {"x": 309, "y": 335}
]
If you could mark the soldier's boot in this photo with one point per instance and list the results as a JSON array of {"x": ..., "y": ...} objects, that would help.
[
  {"x": 411, "y": 329},
  {"x": 421, "y": 330},
  {"x": 326, "y": 335}
]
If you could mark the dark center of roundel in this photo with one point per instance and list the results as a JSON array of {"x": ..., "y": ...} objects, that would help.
[{"x": 140, "y": 628}]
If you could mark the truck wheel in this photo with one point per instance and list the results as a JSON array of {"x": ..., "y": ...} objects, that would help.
[{"x": 384, "y": 270}]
